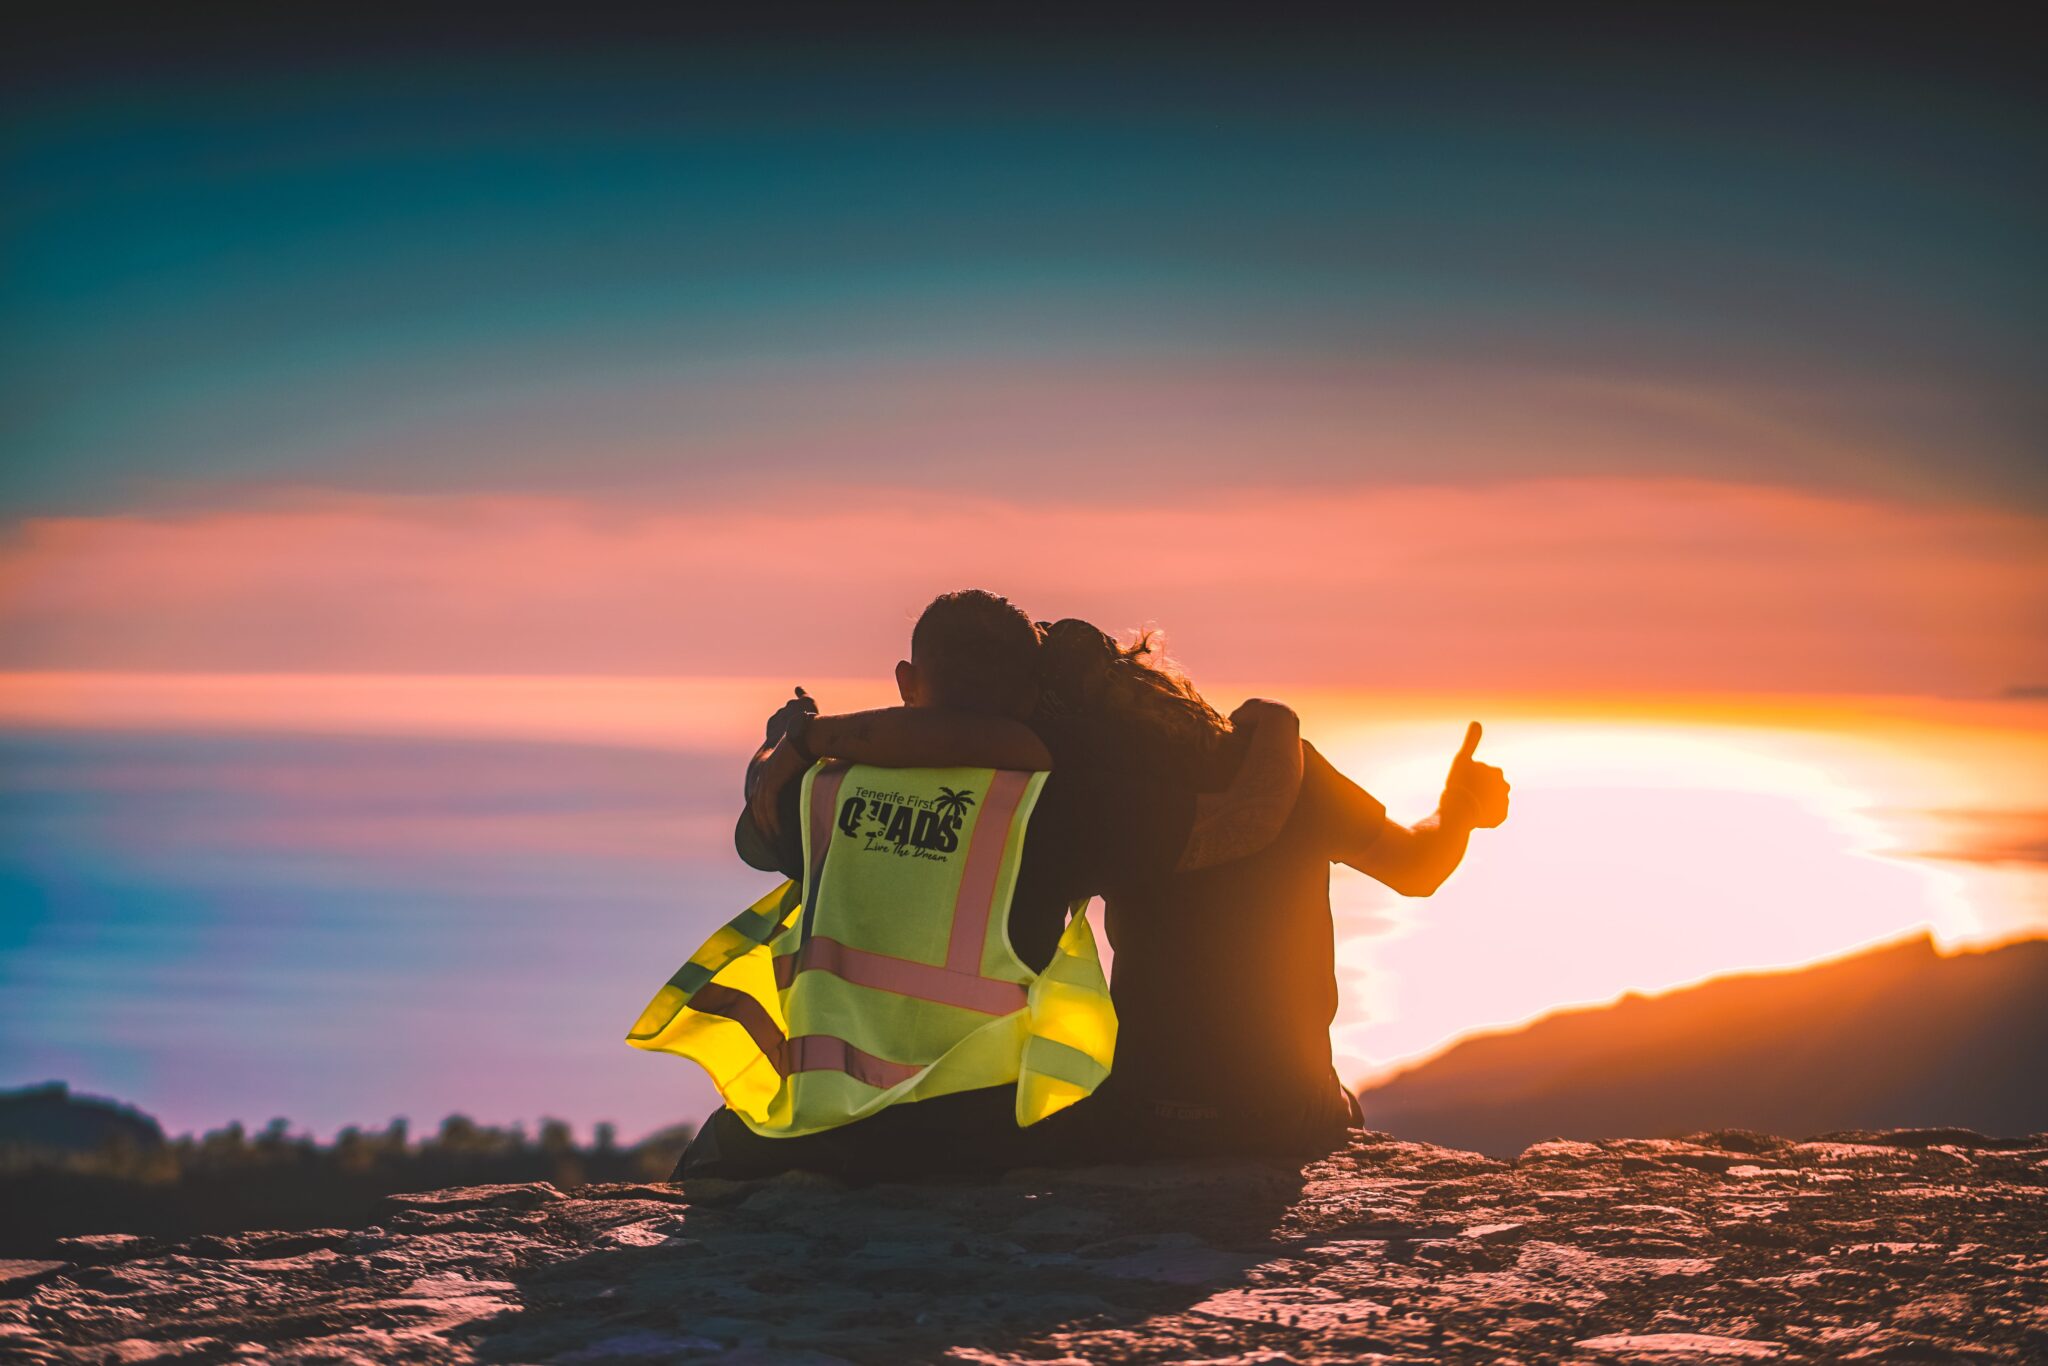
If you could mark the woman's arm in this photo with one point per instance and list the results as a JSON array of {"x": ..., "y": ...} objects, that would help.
[
  {"x": 1415, "y": 860},
  {"x": 895, "y": 737},
  {"x": 1249, "y": 815},
  {"x": 927, "y": 737}
]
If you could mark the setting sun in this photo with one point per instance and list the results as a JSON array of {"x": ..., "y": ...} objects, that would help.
[{"x": 1657, "y": 850}]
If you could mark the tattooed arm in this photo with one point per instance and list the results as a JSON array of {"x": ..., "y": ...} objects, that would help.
[
  {"x": 927, "y": 737},
  {"x": 896, "y": 737}
]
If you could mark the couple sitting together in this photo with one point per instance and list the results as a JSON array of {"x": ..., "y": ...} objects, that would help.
[{"x": 923, "y": 995}]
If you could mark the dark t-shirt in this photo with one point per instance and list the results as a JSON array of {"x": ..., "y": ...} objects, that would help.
[
  {"x": 1097, "y": 835},
  {"x": 1225, "y": 979}
]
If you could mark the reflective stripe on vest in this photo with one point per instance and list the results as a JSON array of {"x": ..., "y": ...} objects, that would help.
[{"x": 889, "y": 977}]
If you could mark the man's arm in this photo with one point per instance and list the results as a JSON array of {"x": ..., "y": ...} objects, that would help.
[
  {"x": 1248, "y": 815},
  {"x": 1415, "y": 860},
  {"x": 893, "y": 737}
]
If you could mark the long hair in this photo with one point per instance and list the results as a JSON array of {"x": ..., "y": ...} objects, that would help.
[{"x": 1125, "y": 705}]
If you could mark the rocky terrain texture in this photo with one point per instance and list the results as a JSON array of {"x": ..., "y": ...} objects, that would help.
[{"x": 1895, "y": 1247}]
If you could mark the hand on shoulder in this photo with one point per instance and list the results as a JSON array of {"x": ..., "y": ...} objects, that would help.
[{"x": 1259, "y": 712}]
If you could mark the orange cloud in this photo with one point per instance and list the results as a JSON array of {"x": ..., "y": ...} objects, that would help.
[{"x": 1542, "y": 585}]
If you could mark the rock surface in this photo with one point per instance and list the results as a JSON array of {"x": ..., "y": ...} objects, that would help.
[{"x": 1901, "y": 1247}]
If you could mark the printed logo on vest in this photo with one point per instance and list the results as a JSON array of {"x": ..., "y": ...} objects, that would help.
[{"x": 904, "y": 824}]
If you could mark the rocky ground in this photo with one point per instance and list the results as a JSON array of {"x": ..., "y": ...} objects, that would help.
[{"x": 1902, "y": 1247}]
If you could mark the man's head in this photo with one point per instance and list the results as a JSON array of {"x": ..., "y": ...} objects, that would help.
[{"x": 972, "y": 651}]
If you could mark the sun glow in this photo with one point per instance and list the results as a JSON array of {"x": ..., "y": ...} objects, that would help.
[
  {"x": 1654, "y": 841},
  {"x": 1649, "y": 851}
]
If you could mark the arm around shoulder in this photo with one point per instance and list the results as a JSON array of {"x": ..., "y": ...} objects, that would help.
[
  {"x": 1249, "y": 814},
  {"x": 927, "y": 737}
]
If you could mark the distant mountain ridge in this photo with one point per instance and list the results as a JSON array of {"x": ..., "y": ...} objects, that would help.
[
  {"x": 1901, "y": 1036},
  {"x": 47, "y": 1120}
]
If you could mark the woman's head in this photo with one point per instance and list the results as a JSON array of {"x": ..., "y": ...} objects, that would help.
[{"x": 1122, "y": 704}]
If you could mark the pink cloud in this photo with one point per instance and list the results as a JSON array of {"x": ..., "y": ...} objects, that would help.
[{"x": 1554, "y": 584}]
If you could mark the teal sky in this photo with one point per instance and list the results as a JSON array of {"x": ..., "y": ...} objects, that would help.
[{"x": 653, "y": 262}]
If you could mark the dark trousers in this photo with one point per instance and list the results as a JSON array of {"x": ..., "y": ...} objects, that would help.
[
  {"x": 975, "y": 1133},
  {"x": 967, "y": 1134}
]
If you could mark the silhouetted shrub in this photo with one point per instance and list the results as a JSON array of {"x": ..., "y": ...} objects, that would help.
[{"x": 225, "y": 1181}]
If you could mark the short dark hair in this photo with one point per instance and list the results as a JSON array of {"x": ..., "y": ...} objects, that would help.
[{"x": 977, "y": 652}]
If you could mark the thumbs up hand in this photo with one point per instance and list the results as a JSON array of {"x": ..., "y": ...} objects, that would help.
[{"x": 1475, "y": 794}]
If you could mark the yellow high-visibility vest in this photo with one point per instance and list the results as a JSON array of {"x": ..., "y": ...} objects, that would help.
[{"x": 888, "y": 976}]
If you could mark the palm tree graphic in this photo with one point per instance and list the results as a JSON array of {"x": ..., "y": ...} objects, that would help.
[{"x": 953, "y": 805}]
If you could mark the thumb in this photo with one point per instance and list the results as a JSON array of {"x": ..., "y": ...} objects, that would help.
[{"x": 1471, "y": 743}]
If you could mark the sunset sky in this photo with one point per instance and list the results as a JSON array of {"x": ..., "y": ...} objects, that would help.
[{"x": 425, "y": 460}]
